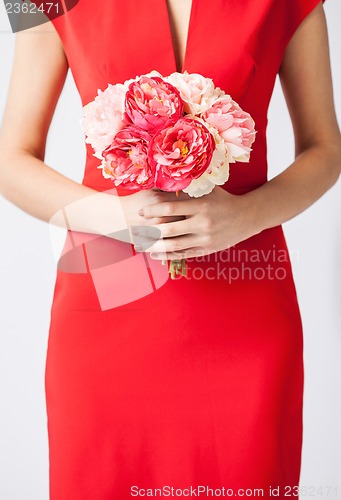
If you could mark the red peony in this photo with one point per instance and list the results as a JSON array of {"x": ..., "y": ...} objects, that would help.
[
  {"x": 150, "y": 102},
  {"x": 126, "y": 159},
  {"x": 180, "y": 152}
]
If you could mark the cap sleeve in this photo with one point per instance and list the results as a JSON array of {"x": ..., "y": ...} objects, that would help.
[
  {"x": 290, "y": 15},
  {"x": 298, "y": 11}
]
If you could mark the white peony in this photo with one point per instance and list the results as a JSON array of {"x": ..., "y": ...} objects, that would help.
[
  {"x": 102, "y": 118},
  {"x": 198, "y": 92}
]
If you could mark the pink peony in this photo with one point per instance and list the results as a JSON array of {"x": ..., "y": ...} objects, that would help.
[
  {"x": 150, "y": 102},
  {"x": 234, "y": 125},
  {"x": 180, "y": 152},
  {"x": 126, "y": 159}
]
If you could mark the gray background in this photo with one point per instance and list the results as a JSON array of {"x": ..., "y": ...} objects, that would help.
[{"x": 27, "y": 274}]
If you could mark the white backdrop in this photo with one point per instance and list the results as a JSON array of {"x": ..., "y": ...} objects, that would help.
[{"x": 27, "y": 274}]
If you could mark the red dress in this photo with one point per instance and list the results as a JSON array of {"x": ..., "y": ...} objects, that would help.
[{"x": 160, "y": 383}]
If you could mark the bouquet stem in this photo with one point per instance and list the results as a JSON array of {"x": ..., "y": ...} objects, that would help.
[{"x": 176, "y": 266}]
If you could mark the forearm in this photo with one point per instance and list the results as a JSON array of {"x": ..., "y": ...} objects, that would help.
[
  {"x": 288, "y": 194},
  {"x": 46, "y": 194}
]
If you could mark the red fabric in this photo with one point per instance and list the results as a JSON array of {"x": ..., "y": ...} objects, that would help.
[{"x": 198, "y": 381}]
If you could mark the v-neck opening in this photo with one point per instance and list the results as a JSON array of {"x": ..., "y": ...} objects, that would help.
[{"x": 190, "y": 22}]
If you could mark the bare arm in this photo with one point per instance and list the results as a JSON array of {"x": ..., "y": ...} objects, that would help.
[
  {"x": 38, "y": 75},
  {"x": 24, "y": 179},
  {"x": 305, "y": 76}
]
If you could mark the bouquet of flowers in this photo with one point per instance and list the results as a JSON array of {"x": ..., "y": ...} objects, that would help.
[{"x": 178, "y": 132}]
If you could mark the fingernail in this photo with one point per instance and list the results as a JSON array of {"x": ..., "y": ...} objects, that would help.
[
  {"x": 138, "y": 248},
  {"x": 141, "y": 212},
  {"x": 154, "y": 255},
  {"x": 135, "y": 231}
]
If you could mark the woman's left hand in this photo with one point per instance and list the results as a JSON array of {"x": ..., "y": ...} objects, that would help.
[{"x": 211, "y": 223}]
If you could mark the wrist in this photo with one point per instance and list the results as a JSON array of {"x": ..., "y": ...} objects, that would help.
[
  {"x": 111, "y": 214},
  {"x": 253, "y": 212}
]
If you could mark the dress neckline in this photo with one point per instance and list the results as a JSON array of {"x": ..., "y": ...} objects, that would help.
[{"x": 170, "y": 37}]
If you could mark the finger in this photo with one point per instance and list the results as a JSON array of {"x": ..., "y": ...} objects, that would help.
[
  {"x": 181, "y": 254},
  {"x": 170, "y": 208},
  {"x": 141, "y": 233},
  {"x": 142, "y": 244},
  {"x": 159, "y": 220},
  {"x": 169, "y": 245},
  {"x": 164, "y": 230}
]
